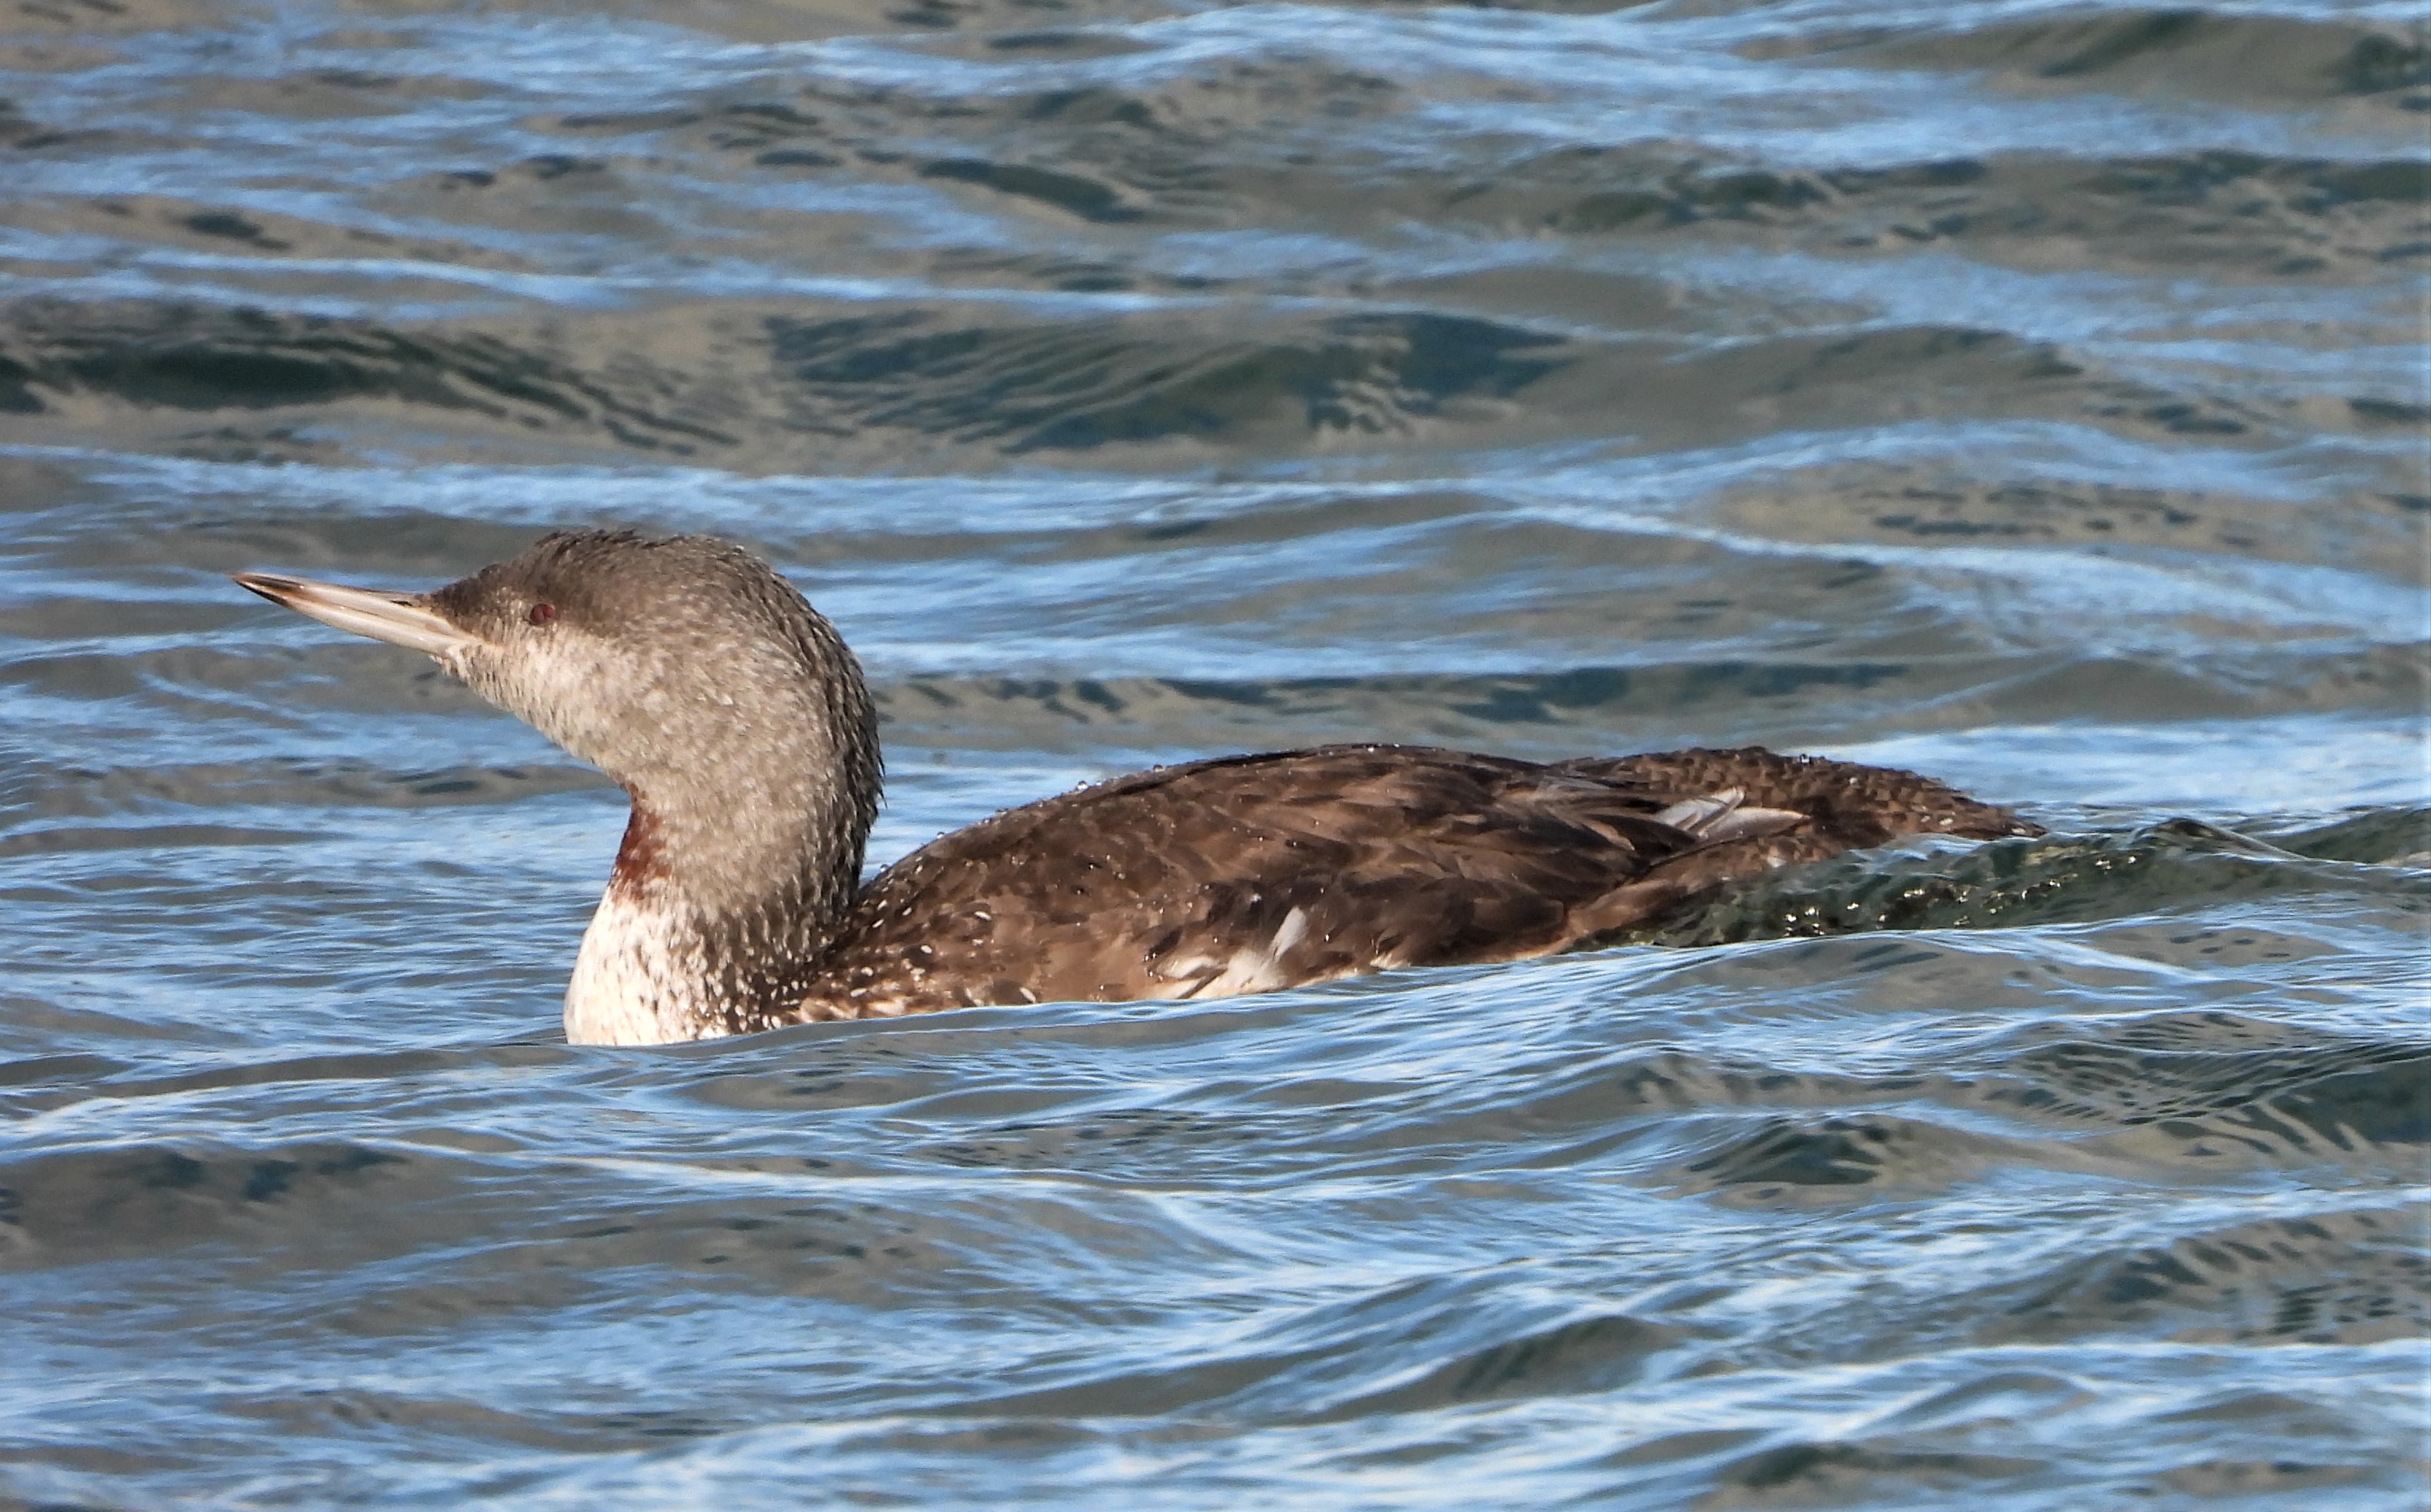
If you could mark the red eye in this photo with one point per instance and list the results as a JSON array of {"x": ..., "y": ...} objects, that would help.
[{"x": 543, "y": 614}]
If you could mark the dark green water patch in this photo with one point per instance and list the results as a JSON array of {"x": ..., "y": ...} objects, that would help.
[
  {"x": 187, "y": 356},
  {"x": 1082, "y": 385},
  {"x": 2013, "y": 884}
]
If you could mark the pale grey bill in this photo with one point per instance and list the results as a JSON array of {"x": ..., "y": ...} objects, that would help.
[{"x": 400, "y": 619}]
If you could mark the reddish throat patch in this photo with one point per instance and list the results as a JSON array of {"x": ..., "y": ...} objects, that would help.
[{"x": 642, "y": 860}]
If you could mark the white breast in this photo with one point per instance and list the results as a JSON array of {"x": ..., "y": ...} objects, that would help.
[{"x": 633, "y": 979}]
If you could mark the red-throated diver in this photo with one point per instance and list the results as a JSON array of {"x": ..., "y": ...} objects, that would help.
[{"x": 734, "y": 715}]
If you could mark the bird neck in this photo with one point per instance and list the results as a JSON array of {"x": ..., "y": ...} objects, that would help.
[{"x": 727, "y": 891}]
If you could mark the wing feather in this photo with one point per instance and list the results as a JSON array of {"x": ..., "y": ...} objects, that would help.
[{"x": 1249, "y": 873}]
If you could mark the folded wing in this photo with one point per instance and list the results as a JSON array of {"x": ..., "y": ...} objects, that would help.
[{"x": 1252, "y": 873}]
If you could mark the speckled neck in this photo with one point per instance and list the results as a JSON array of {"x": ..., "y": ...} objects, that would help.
[
  {"x": 752, "y": 802},
  {"x": 717, "y": 913}
]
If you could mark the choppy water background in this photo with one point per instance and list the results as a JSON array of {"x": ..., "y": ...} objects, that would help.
[{"x": 2029, "y": 394}]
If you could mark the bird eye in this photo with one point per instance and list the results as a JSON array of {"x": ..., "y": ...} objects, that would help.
[{"x": 543, "y": 614}]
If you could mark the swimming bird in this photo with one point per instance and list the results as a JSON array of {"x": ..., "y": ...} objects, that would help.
[{"x": 738, "y": 722}]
